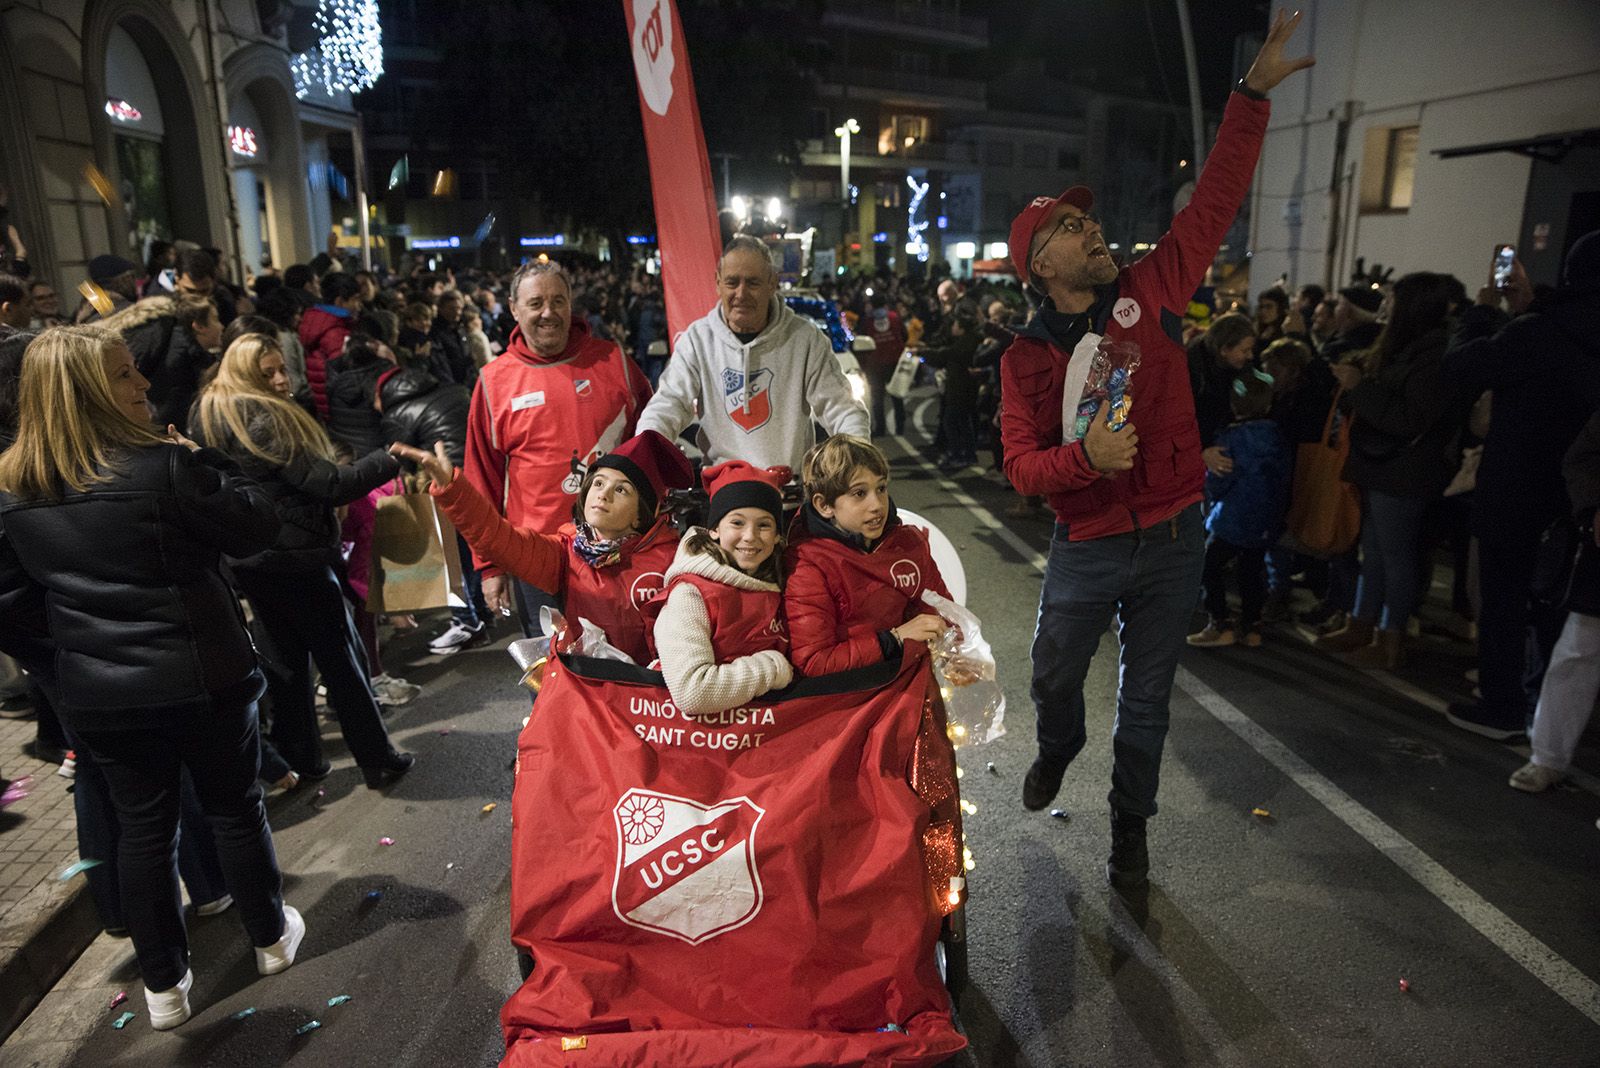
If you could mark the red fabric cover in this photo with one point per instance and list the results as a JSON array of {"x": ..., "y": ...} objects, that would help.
[
  {"x": 1167, "y": 475},
  {"x": 742, "y": 621},
  {"x": 793, "y": 952},
  {"x": 838, "y": 598},
  {"x": 322, "y": 334},
  {"x": 531, "y": 416},
  {"x": 612, "y": 597}
]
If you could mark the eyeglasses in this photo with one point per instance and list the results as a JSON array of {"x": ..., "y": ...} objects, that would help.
[{"x": 1072, "y": 224}]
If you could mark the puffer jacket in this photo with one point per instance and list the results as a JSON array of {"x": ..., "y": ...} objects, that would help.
[
  {"x": 1406, "y": 421},
  {"x": 1248, "y": 505},
  {"x": 147, "y": 629},
  {"x": 323, "y": 330},
  {"x": 352, "y": 392},
  {"x": 842, "y": 599},
  {"x": 419, "y": 409},
  {"x": 304, "y": 493},
  {"x": 166, "y": 354}
]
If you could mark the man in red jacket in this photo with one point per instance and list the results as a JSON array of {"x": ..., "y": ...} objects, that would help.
[
  {"x": 1128, "y": 541},
  {"x": 557, "y": 400}
]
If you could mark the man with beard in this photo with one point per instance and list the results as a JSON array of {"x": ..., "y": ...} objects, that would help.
[{"x": 1128, "y": 542}]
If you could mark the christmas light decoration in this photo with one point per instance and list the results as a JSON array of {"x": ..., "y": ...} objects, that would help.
[
  {"x": 348, "y": 56},
  {"x": 917, "y": 245}
]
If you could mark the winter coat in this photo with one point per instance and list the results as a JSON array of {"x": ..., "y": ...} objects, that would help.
[
  {"x": 352, "y": 395},
  {"x": 147, "y": 629},
  {"x": 1248, "y": 505},
  {"x": 1211, "y": 383},
  {"x": 1357, "y": 339},
  {"x": 612, "y": 595},
  {"x": 419, "y": 410},
  {"x": 1544, "y": 369},
  {"x": 166, "y": 354},
  {"x": 842, "y": 599},
  {"x": 1143, "y": 305},
  {"x": 888, "y": 334},
  {"x": 323, "y": 330},
  {"x": 1302, "y": 412},
  {"x": 955, "y": 359},
  {"x": 1406, "y": 420},
  {"x": 451, "y": 348},
  {"x": 1581, "y": 469},
  {"x": 755, "y": 401},
  {"x": 304, "y": 493},
  {"x": 719, "y": 634}
]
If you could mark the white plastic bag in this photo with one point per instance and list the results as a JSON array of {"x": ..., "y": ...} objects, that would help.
[
  {"x": 905, "y": 375},
  {"x": 974, "y": 703},
  {"x": 532, "y": 654}
]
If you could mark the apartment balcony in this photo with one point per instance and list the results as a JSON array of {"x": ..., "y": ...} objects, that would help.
[
  {"x": 904, "y": 87},
  {"x": 910, "y": 20},
  {"x": 824, "y": 152}
]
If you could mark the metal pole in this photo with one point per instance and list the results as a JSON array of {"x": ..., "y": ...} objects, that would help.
[
  {"x": 359, "y": 150},
  {"x": 1196, "y": 123}
]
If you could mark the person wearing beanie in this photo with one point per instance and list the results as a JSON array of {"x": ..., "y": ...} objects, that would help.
[
  {"x": 604, "y": 566},
  {"x": 719, "y": 630},
  {"x": 1544, "y": 368},
  {"x": 1355, "y": 323}
]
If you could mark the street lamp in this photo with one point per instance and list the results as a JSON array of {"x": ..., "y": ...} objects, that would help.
[
  {"x": 741, "y": 208},
  {"x": 843, "y": 133},
  {"x": 774, "y": 209}
]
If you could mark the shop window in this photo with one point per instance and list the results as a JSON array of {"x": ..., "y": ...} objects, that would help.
[
  {"x": 144, "y": 187},
  {"x": 1388, "y": 168}
]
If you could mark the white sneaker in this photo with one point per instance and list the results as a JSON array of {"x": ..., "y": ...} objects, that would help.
[
  {"x": 391, "y": 691},
  {"x": 170, "y": 1008},
  {"x": 278, "y": 956},
  {"x": 458, "y": 635},
  {"x": 212, "y": 908},
  {"x": 1534, "y": 778}
]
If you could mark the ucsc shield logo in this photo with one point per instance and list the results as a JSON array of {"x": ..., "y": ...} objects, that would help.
[
  {"x": 652, "y": 52},
  {"x": 748, "y": 402},
  {"x": 685, "y": 869}
]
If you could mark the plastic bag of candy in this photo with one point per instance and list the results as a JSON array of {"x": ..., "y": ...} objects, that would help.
[
  {"x": 1109, "y": 384},
  {"x": 560, "y": 636},
  {"x": 974, "y": 704}
]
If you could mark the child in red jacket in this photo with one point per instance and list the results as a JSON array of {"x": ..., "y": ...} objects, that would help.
[
  {"x": 605, "y": 565},
  {"x": 855, "y": 572}
]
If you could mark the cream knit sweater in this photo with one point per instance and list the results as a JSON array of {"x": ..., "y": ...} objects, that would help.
[{"x": 698, "y": 684}]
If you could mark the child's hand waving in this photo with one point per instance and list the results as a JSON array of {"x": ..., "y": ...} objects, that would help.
[{"x": 924, "y": 628}]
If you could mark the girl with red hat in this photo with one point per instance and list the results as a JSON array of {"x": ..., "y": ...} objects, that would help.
[
  {"x": 605, "y": 565},
  {"x": 719, "y": 628}
]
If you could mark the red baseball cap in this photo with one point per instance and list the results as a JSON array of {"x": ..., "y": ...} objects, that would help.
[{"x": 1030, "y": 218}]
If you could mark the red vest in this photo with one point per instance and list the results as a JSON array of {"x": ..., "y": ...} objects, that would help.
[
  {"x": 613, "y": 597},
  {"x": 742, "y": 621}
]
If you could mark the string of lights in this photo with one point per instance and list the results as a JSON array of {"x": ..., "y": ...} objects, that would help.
[{"x": 348, "y": 56}]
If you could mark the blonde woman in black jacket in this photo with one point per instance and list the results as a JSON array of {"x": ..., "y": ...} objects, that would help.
[
  {"x": 292, "y": 584},
  {"x": 119, "y": 532}
]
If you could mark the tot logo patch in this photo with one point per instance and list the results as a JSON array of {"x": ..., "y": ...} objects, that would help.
[
  {"x": 906, "y": 575},
  {"x": 685, "y": 869},
  {"x": 644, "y": 587},
  {"x": 652, "y": 53}
]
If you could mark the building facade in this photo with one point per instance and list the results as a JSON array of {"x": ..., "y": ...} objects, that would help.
[
  {"x": 1428, "y": 133},
  {"x": 134, "y": 120}
]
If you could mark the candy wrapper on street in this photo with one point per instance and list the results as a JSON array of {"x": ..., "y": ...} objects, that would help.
[
  {"x": 974, "y": 704},
  {"x": 1110, "y": 383}
]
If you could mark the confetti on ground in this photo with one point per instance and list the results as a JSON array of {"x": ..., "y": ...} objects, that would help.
[
  {"x": 1263, "y": 813},
  {"x": 16, "y": 790},
  {"x": 307, "y": 1028},
  {"x": 1405, "y": 986},
  {"x": 242, "y": 1013},
  {"x": 568, "y": 1043},
  {"x": 321, "y": 792},
  {"x": 81, "y": 866},
  {"x": 122, "y": 1021},
  {"x": 450, "y": 865},
  {"x": 338, "y": 1000},
  {"x": 1059, "y": 814},
  {"x": 386, "y": 841},
  {"x": 118, "y": 998},
  {"x": 490, "y": 807},
  {"x": 992, "y": 769}
]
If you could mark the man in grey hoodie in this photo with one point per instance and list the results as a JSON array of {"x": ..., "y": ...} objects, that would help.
[{"x": 755, "y": 374}]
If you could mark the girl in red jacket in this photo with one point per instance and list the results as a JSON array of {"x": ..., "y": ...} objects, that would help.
[
  {"x": 720, "y": 630},
  {"x": 856, "y": 572},
  {"x": 605, "y": 565}
]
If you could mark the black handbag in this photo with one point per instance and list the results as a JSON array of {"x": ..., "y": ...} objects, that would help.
[{"x": 1566, "y": 571}]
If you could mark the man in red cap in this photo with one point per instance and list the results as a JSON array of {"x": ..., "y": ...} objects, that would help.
[{"x": 1128, "y": 541}]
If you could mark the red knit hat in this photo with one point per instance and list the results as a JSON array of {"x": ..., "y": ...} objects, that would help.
[
  {"x": 653, "y": 464},
  {"x": 735, "y": 484},
  {"x": 1030, "y": 218}
]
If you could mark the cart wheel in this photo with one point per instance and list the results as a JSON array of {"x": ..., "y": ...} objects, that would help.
[{"x": 951, "y": 953}]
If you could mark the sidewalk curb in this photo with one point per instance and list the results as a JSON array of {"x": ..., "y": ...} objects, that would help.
[{"x": 43, "y": 935}]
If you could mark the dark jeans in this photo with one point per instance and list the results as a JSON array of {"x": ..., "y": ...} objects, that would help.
[
  {"x": 1515, "y": 637},
  {"x": 960, "y": 436},
  {"x": 144, "y": 773},
  {"x": 1391, "y": 538},
  {"x": 1148, "y": 581},
  {"x": 475, "y": 611},
  {"x": 1252, "y": 573},
  {"x": 878, "y": 385},
  {"x": 306, "y": 618}
]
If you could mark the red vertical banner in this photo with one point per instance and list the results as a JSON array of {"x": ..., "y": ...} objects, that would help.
[{"x": 687, "y": 231}]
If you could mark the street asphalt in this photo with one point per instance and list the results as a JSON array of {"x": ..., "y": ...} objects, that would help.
[{"x": 1339, "y": 877}]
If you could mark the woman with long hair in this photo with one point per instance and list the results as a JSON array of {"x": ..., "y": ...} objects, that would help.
[
  {"x": 1405, "y": 419},
  {"x": 119, "y": 532},
  {"x": 292, "y": 584}
]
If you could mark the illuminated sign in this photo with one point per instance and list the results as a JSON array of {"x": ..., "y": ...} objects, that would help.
[
  {"x": 880, "y": 238},
  {"x": 641, "y": 239},
  {"x": 535, "y": 242},
  {"x": 436, "y": 242},
  {"x": 242, "y": 139},
  {"x": 122, "y": 111}
]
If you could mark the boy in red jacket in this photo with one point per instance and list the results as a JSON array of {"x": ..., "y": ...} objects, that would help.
[{"x": 855, "y": 572}]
